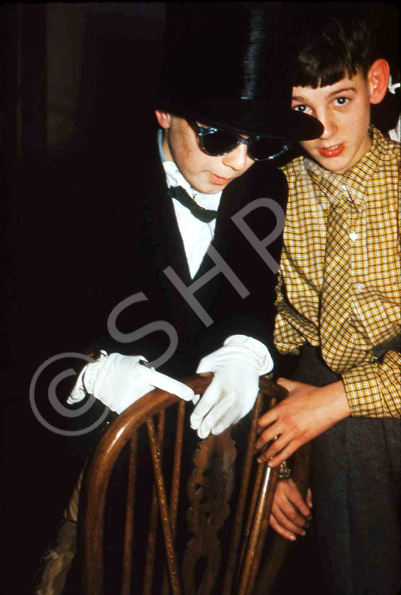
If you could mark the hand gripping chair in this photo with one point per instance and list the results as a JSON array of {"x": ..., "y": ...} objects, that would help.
[{"x": 179, "y": 524}]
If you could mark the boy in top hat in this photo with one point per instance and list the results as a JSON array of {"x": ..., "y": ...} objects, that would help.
[
  {"x": 190, "y": 272},
  {"x": 338, "y": 302},
  {"x": 199, "y": 168}
]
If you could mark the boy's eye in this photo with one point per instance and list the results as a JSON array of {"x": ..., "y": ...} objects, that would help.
[
  {"x": 299, "y": 108},
  {"x": 341, "y": 101}
]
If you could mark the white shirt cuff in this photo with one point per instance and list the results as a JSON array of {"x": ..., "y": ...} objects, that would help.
[{"x": 258, "y": 349}]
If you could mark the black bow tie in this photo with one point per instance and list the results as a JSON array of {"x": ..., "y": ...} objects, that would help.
[{"x": 205, "y": 215}]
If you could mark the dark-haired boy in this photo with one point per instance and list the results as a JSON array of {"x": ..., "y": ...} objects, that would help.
[{"x": 338, "y": 301}]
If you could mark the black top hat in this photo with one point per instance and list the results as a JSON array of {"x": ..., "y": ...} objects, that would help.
[{"x": 229, "y": 65}]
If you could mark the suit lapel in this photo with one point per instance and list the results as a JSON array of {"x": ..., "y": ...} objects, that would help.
[{"x": 160, "y": 223}]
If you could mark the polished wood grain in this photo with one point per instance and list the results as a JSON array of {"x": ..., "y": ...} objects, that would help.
[{"x": 223, "y": 490}]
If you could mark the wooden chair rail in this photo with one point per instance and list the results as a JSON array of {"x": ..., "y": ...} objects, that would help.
[{"x": 248, "y": 535}]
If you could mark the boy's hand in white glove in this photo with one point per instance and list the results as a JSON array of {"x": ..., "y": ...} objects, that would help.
[
  {"x": 233, "y": 391},
  {"x": 120, "y": 380}
]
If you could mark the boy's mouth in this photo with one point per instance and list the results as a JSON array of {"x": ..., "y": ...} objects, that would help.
[
  {"x": 333, "y": 151},
  {"x": 219, "y": 180}
]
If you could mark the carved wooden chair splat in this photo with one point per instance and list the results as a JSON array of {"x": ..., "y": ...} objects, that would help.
[{"x": 193, "y": 525}]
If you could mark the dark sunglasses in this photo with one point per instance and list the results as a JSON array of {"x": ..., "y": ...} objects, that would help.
[{"x": 218, "y": 141}]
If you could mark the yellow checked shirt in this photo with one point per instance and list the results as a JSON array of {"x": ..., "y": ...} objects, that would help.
[{"x": 362, "y": 308}]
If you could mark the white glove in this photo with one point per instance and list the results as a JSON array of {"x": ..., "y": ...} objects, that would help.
[
  {"x": 120, "y": 380},
  {"x": 233, "y": 391},
  {"x": 395, "y": 133}
]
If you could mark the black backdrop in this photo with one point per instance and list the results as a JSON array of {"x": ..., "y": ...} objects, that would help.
[{"x": 72, "y": 77}]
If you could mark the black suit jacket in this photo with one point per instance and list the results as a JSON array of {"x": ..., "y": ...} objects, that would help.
[
  {"x": 100, "y": 231},
  {"x": 144, "y": 241}
]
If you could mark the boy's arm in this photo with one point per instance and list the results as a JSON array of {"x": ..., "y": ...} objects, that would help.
[
  {"x": 305, "y": 413},
  {"x": 370, "y": 390}
]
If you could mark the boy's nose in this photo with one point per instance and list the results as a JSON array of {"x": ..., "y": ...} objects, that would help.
[
  {"x": 237, "y": 159},
  {"x": 329, "y": 124}
]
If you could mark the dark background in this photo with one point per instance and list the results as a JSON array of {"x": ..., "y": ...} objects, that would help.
[{"x": 73, "y": 77}]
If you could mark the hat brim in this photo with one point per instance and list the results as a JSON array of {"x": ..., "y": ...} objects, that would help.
[{"x": 248, "y": 117}]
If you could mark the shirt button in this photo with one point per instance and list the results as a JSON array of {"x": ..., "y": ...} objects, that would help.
[
  {"x": 353, "y": 236},
  {"x": 358, "y": 286}
]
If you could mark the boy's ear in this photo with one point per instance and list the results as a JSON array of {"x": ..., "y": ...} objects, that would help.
[
  {"x": 163, "y": 118},
  {"x": 378, "y": 78}
]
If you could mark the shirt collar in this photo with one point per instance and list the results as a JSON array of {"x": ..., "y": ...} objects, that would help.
[
  {"x": 350, "y": 186},
  {"x": 175, "y": 178}
]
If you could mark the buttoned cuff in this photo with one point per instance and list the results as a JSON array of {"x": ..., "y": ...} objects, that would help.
[
  {"x": 373, "y": 390},
  {"x": 86, "y": 379}
]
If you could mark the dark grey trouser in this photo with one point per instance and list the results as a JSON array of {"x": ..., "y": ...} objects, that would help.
[{"x": 356, "y": 487}]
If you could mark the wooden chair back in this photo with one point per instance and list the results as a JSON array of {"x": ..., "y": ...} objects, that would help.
[{"x": 200, "y": 526}]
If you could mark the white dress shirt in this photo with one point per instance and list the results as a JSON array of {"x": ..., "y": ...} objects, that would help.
[{"x": 196, "y": 234}]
